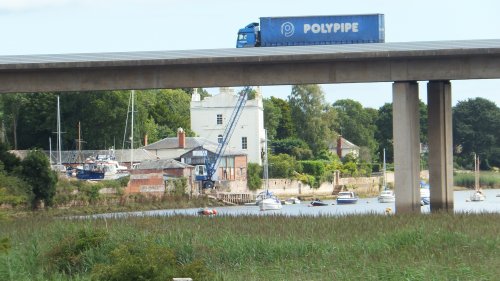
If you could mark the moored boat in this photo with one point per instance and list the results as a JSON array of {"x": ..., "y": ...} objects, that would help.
[
  {"x": 347, "y": 197},
  {"x": 102, "y": 167},
  {"x": 268, "y": 201},
  {"x": 317, "y": 203},
  {"x": 425, "y": 194},
  {"x": 387, "y": 196},
  {"x": 477, "y": 196},
  {"x": 292, "y": 200}
]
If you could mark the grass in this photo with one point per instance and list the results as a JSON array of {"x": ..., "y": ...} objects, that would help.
[
  {"x": 369, "y": 247},
  {"x": 486, "y": 179}
]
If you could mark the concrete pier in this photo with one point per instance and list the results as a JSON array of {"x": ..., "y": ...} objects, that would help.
[
  {"x": 406, "y": 134},
  {"x": 440, "y": 145}
]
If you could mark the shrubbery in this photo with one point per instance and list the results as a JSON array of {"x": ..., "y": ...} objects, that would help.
[{"x": 92, "y": 250}]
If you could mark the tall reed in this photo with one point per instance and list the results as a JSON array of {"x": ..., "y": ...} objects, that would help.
[{"x": 363, "y": 247}]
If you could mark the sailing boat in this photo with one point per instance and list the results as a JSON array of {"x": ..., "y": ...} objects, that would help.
[
  {"x": 477, "y": 195},
  {"x": 269, "y": 201},
  {"x": 386, "y": 195}
]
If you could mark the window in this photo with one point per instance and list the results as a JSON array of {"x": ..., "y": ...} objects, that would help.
[
  {"x": 219, "y": 119},
  {"x": 219, "y": 138},
  {"x": 244, "y": 144}
]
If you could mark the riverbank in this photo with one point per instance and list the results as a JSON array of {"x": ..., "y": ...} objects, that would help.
[{"x": 363, "y": 247}]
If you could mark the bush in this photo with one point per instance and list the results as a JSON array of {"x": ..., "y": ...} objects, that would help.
[
  {"x": 68, "y": 255},
  {"x": 4, "y": 245},
  {"x": 147, "y": 261},
  {"x": 14, "y": 191},
  {"x": 254, "y": 176},
  {"x": 282, "y": 166},
  {"x": 314, "y": 168},
  {"x": 36, "y": 171},
  {"x": 177, "y": 187}
]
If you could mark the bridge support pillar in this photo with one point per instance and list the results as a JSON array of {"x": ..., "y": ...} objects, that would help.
[
  {"x": 406, "y": 134},
  {"x": 440, "y": 145}
]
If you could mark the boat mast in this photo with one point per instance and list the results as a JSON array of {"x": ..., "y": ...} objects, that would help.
[
  {"x": 132, "y": 133},
  {"x": 50, "y": 150},
  {"x": 384, "y": 169},
  {"x": 476, "y": 172},
  {"x": 266, "y": 164},
  {"x": 59, "y": 160}
]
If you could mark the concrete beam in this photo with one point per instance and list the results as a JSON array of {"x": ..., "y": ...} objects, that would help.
[
  {"x": 255, "y": 71},
  {"x": 440, "y": 145},
  {"x": 406, "y": 134}
]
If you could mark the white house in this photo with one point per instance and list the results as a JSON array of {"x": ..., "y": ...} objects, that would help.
[{"x": 210, "y": 116}]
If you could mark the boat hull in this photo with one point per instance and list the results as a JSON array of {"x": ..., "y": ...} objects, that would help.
[
  {"x": 387, "y": 196},
  {"x": 477, "y": 197},
  {"x": 89, "y": 175},
  {"x": 270, "y": 204},
  {"x": 318, "y": 203},
  {"x": 347, "y": 201},
  {"x": 347, "y": 197},
  {"x": 387, "y": 199}
]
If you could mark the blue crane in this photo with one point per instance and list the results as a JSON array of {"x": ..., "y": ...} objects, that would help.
[{"x": 212, "y": 161}]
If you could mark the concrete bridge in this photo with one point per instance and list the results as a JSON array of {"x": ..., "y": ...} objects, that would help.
[{"x": 401, "y": 63}]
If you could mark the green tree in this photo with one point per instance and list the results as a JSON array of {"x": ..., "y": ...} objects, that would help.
[
  {"x": 282, "y": 166},
  {"x": 8, "y": 160},
  {"x": 357, "y": 124},
  {"x": 383, "y": 133},
  {"x": 310, "y": 116},
  {"x": 37, "y": 173},
  {"x": 293, "y": 147},
  {"x": 172, "y": 110},
  {"x": 476, "y": 129},
  {"x": 272, "y": 115},
  {"x": 285, "y": 128},
  {"x": 12, "y": 105},
  {"x": 254, "y": 176}
]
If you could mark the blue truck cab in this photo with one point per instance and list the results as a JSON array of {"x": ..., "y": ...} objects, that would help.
[{"x": 249, "y": 36}]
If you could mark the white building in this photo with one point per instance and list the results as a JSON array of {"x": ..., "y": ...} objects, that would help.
[{"x": 209, "y": 118}]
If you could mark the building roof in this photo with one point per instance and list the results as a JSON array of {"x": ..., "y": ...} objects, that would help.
[
  {"x": 173, "y": 143},
  {"x": 344, "y": 143},
  {"x": 75, "y": 156},
  {"x": 160, "y": 164},
  {"x": 170, "y": 147}
]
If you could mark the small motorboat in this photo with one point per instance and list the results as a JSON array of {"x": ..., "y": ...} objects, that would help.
[
  {"x": 292, "y": 200},
  {"x": 425, "y": 193},
  {"x": 387, "y": 196},
  {"x": 317, "y": 203},
  {"x": 207, "y": 212},
  {"x": 347, "y": 197}
]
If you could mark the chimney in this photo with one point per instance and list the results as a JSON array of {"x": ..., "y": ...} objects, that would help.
[
  {"x": 145, "y": 139},
  {"x": 181, "y": 135},
  {"x": 339, "y": 146}
]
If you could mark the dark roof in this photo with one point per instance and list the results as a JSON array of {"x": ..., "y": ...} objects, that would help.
[{"x": 161, "y": 164}]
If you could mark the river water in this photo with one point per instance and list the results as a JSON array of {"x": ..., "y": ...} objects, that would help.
[{"x": 364, "y": 206}]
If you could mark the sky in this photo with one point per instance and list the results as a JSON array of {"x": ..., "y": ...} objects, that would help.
[{"x": 90, "y": 26}]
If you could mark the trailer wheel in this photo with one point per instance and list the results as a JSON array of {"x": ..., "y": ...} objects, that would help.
[{"x": 208, "y": 184}]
